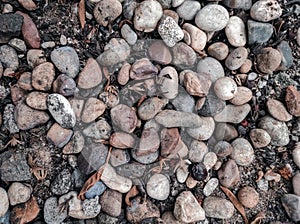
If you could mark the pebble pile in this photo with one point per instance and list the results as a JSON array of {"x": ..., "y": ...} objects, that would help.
[{"x": 178, "y": 109}]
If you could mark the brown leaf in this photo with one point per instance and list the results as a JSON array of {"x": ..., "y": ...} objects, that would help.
[
  {"x": 81, "y": 13},
  {"x": 25, "y": 213},
  {"x": 132, "y": 193},
  {"x": 258, "y": 218},
  {"x": 236, "y": 203},
  {"x": 285, "y": 172}
]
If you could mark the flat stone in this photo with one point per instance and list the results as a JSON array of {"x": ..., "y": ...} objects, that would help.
[
  {"x": 242, "y": 153},
  {"x": 211, "y": 106},
  {"x": 18, "y": 44},
  {"x": 296, "y": 184},
  {"x": 58, "y": 135},
  {"x": 160, "y": 53},
  {"x": 236, "y": 32},
  {"x": 286, "y": 55},
  {"x": 106, "y": 12},
  {"x": 291, "y": 204},
  {"x": 211, "y": 66},
  {"x": 229, "y": 174},
  {"x": 265, "y": 10},
  {"x": 4, "y": 203},
  {"x": 35, "y": 57},
  {"x": 149, "y": 142},
  {"x": 123, "y": 75},
  {"x": 197, "y": 151},
  {"x": 99, "y": 130},
  {"x": 66, "y": 60},
  {"x": 168, "y": 82},
  {"x": 93, "y": 109},
  {"x": 142, "y": 69},
  {"x": 278, "y": 111},
  {"x": 198, "y": 37},
  {"x": 292, "y": 99},
  {"x": 188, "y": 9},
  {"x": 43, "y": 76},
  {"x": 243, "y": 95},
  {"x": 183, "y": 55},
  {"x": 212, "y": 18},
  {"x": 259, "y": 138},
  {"x": 64, "y": 85},
  {"x": 9, "y": 122},
  {"x": 197, "y": 84},
  {"x": 225, "y": 88},
  {"x": 27, "y": 118},
  {"x": 218, "y": 50},
  {"x": 248, "y": 197},
  {"x": 150, "y": 107},
  {"x": 238, "y": 4},
  {"x": 268, "y": 60},
  {"x": 122, "y": 140},
  {"x": 10, "y": 26},
  {"x": 147, "y": 14},
  {"x": 48, "y": 44},
  {"x": 52, "y": 211},
  {"x": 119, "y": 157},
  {"x": 90, "y": 76},
  {"x": 183, "y": 101},
  {"x": 111, "y": 202},
  {"x": 233, "y": 114},
  {"x": 170, "y": 31},
  {"x": 75, "y": 145},
  {"x": 187, "y": 209},
  {"x": 236, "y": 58},
  {"x": 128, "y": 34},
  {"x": 296, "y": 156},
  {"x": 158, "y": 187},
  {"x": 169, "y": 139},
  {"x": 9, "y": 57},
  {"x": 124, "y": 118},
  {"x": 203, "y": 132},
  {"x": 259, "y": 32},
  {"x": 62, "y": 183},
  {"x": 210, "y": 186},
  {"x": 216, "y": 207},
  {"x": 37, "y": 100},
  {"x": 96, "y": 190},
  {"x": 19, "y": 193},
  {"x": 276, "y": 129}
]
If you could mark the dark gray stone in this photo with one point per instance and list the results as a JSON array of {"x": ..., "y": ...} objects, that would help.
[
  {"x": 259, "y": 32},
  {"x": 63, "y": 183},
  {"x": 183, "y": 101},
  {"x": 10, "y": 26},
  {"x": 212, "y": 106},
  {"x": 287, "y": 56}
]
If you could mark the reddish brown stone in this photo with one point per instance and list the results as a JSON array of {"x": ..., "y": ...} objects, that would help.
[{"x": 292, "y": 99}]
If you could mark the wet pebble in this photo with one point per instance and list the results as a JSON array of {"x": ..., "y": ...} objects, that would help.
[
  {"x": 248, "y": 196},
  {"x": 111, "y": 202},
  {"x": 218, "y": 50},
  {"x": 243, "y": 95},
  {"x": 4, "y": 202},
  {"x": 233, "y": 114},
  {"x": 296, "y": 184},
  {"x": 268, "y": 60},
  {"x": 170, "y": 31},
  {"x": 236, "y": 31},
  {"x": 183, "y": 55},
  {"x": 296, "y": 156},
  {"x": 292, "y": 99},
  {"x": 106, "y": 12},
  {"x": 210, "y": 186},
  {"x": 259, "y": 138},
  {"x": 43, "y": 76},
  {"x": 64, "y": 85},
  {"x": 229, "y": 174},
  {"x": 90, "y": 76},
  {"x": 52, "y": 211},
  {"x": 160, "y": 53},
  {"x": 188, "y": 9},
  {"x": 158, "y": 187},
  {"x": 37, "y": 100},
  {"x": 216, "y": 207},
  {"x": 265, "y": 10},
  {"x": 291, "y": 204},
  {"x": 225, "y": 88},
  {"x": 277, "y": 110},
  {"x": 58, "y": 135},
  {"x": 128, "y": 34},
  {"x": 211, "y": 66},
  {"x": 9, "y": 57}
]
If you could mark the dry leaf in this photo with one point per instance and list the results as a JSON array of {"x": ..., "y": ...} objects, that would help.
[
  {"x": 285, "y": 172},
  {"x": 236, "y": 203},
  {"x": 26, "y": 212},
  {"x": 81, "y": 13},
  {"x": 258, "y": 218},
  {"x": 132, "y": 193}
]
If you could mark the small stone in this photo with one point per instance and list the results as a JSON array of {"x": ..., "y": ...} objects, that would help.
[
  {"x": 291, "y": 204},
  {"x": 183, "y": 101},
  {"x": 260, "y": 138},
  {"x": 212, "y": 18},
  {"x": 17, "y": 94},
  {"x": 238, "y": 4},
  {"x": 168, "y": 217},
  {"x": 286, "y": 55},
  {"x": 218, "y": 50},
  {"x": 142, "y": 69},
  {"x": 166, "y": 4},
  {"x": 37, "y": 100},
  {"x": 124, "y": 118},
  {"x": 119, "y": 157},
  {"x": 58, "y": 135},
  {"x": 258, "y": 32},
  {"x": 210, "y": 160},
  {"x": 197, "y": 150},
  {"x": 96, "y": 190},
  {"x": 160, "y": 53},
  {"x": 19, "y": 193},
  {"x": 150, "y": 107},
  {"x": 182, "y": 173},
  {"x": 28, "y": 4},
  {"x": 66, "y": 61},
  {"x": 236, "y": 32},
  {"x": 198, "y": 37},
  {"x": 99, "y": 130},
  {"x": 226, "y": 132},
  {"x": 9, "y": 122},
  {"x": 90, "y": 76},
  {"x": 93, "y": 109},
  {"x": 229, "y": 174},
  {"x": 168, "y": 81},
  {"x": 183, "y": 55},
  {"x": 296, "y": 156},
  {"x": 252, "y": 76},
  {"x": 169, "y": 138},
  {"x": 204, "y": 131},
  {"x": 225, "y": 88},
  {"x": 7, "y": 8},
  {"x": 188, "y": 9},
  {"x": 170, "y": 31},
  {"x": 211, "y": 106},
  {"x": 35, "y": 57},
  {"x": 211, "y": 66},
  {"x": 27, "y": 118},
  {"x": 62, "y": 183},
  {"x": 292, "y": 99},
  {"x": 236, "y": 58},
  {"x": 246, "y": 67},
  {"x": 197, "y": 84},
  {"x": 64, "y": 85},
  {"x": 61, "y": 110},
  {"x": 296, "y": 184},
  {"x": 75, "y": 145},
  {"x": 198, "y": 171},
  {"x": 43, "y": 76},
  {"x": 18, "y": 44},
  {"x": 9, "y": 57},
  {"x": 242, "y": 153},
  {"x": 218, "y": 208},
  {"x": 243, "y": 95},
  {"x": 158, "y": 187},
  {"x": 30, "y": 32},
  {"x": 149, "y": 142},
  {"x": 268, "y": 60},
  {"x": 146, "y": 16},
  {"x": 53, "y": 212},
  {"x": 146, "y": 159},
  {"x": 210, "y": 186},
  {"x": 123, "y": 76},
  {"x": 233, "y": 114},
  {"x": 128, "y": 34},
  {"x": 248, "y": 197},
  {"x": 107, "y": 11},
  {"x": 187, "y": 209},
  {"x": 111, "y": 202},
  {"x": 10, "y": 26},
  {"x": 128, "y": 8},
  {"x": 278, "y": 111},
  {"x": 276, "y": 129},
  {"x": 265, "y": 10},
  {"x": 4, "y": 203},
  {"x": 122, "y": 140},
  {"x": 63, "y": 40}
]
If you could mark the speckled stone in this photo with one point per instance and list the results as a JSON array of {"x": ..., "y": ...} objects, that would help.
[
  {"x": 265, "y": 10},
  {"x": 242, "y": 153},
  {"x": 236, "y": 31},
  {"x": 170, "y": 31},
  {"x": 219, "y": 208}
]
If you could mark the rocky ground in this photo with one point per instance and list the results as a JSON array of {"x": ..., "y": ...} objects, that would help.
[{"x": 167, "y": 111}]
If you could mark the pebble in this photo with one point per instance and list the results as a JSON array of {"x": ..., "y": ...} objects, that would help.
[
  {"x": 296, "y": 156},
  {"x": 205, "y": 131},
  {"x": 10, "y": 26},
  {"x": 223, "y": 149},
  {"x": 210, "y": 186},
  {"x": 9, "y": 57},
  {"x": 168, "y": 217},
  {"x": 211, "y": 106},
  {"x": 119, "y": 157},
  {"x": 263, "y": 184},
  {"x": 92, "y": 109},
  {"x": 96, "y": 190},
  {"x": 218, "y": 50},
  {"x": 75, "y": 145},
  {"x": 242, "y": 153},
  {"x": 197, "y": 36},
  {"x": 27, "y": 118},
  {"x": 291, "y": 204},
  {"x": 292, "y": 100},
  {"x": 243, "y": 95},
  {"x": 246, "y": 67},
  {"x": 160, "y": 53},
  {"x": 18, "y": 44},
  {"x": 183, "y": 55},
  {"x": 259, "y": 138},
  {"x": 229, "y": 174},
  {"x": 92, "y": 157},
  {"x": 149, "y": 142},
  {"x": 211, "y": 66},
  {"x": 225, "y": 131},
  {"x": 168, "y": 82},
  {"x": 219, "y": 208},
  {"x": 176, "y": 3},
  {"x": 9, "y": 122},
  {"x": 158, "y": 187},
  {"x": 61, "y": 110},
  {"x": 183, "y": 101},
  {"x": 268, "y": 60},
  {"x": 4, "y": 92},
  {"x": 58, "y": 135},
  {"x": 259, "y": 32},
  {"x": 122, "y": 140},
  {"x": 28, "y": 4},
  {"x": 170, "y": 31},
  {"x": 187, "y": 209},
  {"x": 225, "y": 88},
  {"x": 212, "y": 18},
  {"x": 252, "y": 76},
  {"x": 278, "y": 111},
  {"x": 265, "y": 10},
  {"x": 37, "y": 100},
  {"x": 188, "y": 9},
  {"x": 3, "y": 202},
  {"x": 105, "y": 12},
  {"x": 128, "y": 8},
  {"x": 140, "y": 210},
  {"x": 114, "y": 181},
  {"x": 196, "y": 84},
  {"x": 210, "y": 160},
  {"x": 236, "y": 32},
  {"x": 90, "y": 76},
  {"x": 146, "y": 159},
  {"x": 131, "y": 170},
  {"x": 43, "y": 76},
  {"x": 62, "y": 183},
  {"x": 147, "y": 14},
  {"x": 64, "y": 85},
  {"x": 169, "y": 139},
  {"x": 30, "y": 32},
  {"x": 238, "y": 4},
  {"x": 19, "y": 193},
  {"x": 142, "y": 69},
  {"x": 248, "y": 197},
  {"x": 182, "y": 174},
  {"x": 286, "y": 54},
  {"x": 128, "y": 34},
  {"x": 17, "y": 94},
  {"x": 52, "y": 211},
  {"x": 35, "y": 57},
  {"x": 99, "y": 130},
  {"x": 124, "y": 118},
  {"x": 276, "y": 129},
  {"x": 296, "y": 184},
  {"x": 111, "y": 202},
  {"x": 236, "y": 58},
  {"x": 123, "y": 75},
  {"x": 197, "y": 151},
  {"x": 66, "y": 61},
  {"x": 233, "y": 114},
  {"x": 150, "y": 107}
]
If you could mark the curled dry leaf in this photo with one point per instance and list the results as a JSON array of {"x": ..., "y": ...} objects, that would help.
[
  {"x": 131, "y": 194},
  {"x": 236, "y": 203},
  {"x": 26, "y": 212},
  {"x": 286, "y": 172},
  {"x": 258, "y": 218},
  {"x": 270, "y": 175},
  {"x": 81, "y": 13}
]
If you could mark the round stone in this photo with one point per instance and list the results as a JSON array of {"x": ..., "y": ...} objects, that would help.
[
  {"x": 219, "y": 208},
  {"x": 236, "y": 31},
  {"x": 210, "y": 186},
  {"x": 218, "y": 50},
  {"x": 197, "y": 37},
  {"x": 225, "y": 88},
  {"x": 106, "y": 11},
  {"x": 265, "y": 10},
  {"x": 268, "y": 60},
  {"x": 243, "y": 152},
  {"x": 42, "y": 76},
  {"x": 183, "y": 55},
  {"x": 188, "y": 9},
  {"x": 278, "y": 110},
  {"x": 212, "y": 67},
  {"x": 4, "y": 203},
  {"x": 223, "y": 149},
  {"x": 160, "y": 53},
  {"x": 212, "y": 18},
  {"x": 242, "y": 96},
  {"x": 260, "y": 138},
  {"x": 248, "y": 197},
  {"x": 158, "y": 187},
  {"x": 229, "y": 174},
  {"x": 197, "y": 150},
  {"x": 236, "y": 58}
]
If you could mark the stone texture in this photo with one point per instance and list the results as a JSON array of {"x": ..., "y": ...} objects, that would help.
[
  {"x": 123, "y": 75},
  {"x": 259, "y": 32},
  {"x": 9, "y": 122},
  {"x": 122, "y": 140},
  {"x": 111, "y": 202},
  {"x": 124, "y": 118},
  {"x": 242, "y": 153},
  {"x": 236, "y": 58},
  {"x": 128, "y": 34},
  {"x": 203, "y": 132},
  {"x": 218, "y": 50},
  {"x": 236, "y": 31},
  {"x": 64, "y": 85},
  {"x": 37, "y": 100},
  {"x": 10, "y": 26},
  {"x": 225, "y": 88},
  {"x": 62, "y": 183},
  {"x": 238, "y": 4},
  {"x": 296, "y": 184},
  {"x": 168, "y": 82},
  {"x": 96, "y": 190},
  {"x": 243, "y": 95},
  {"x": 211, "y": 66},
  {"x": 43, "y": 76},
  {"x": 9, "y": 57},
  {"x": 229, "y": 174},
  {"x": 210, "y": 105},
  {"x": 291, "y": 204},
  {"x": 158, "y": 187},
  {"x": 4, "y": 203},
  {"x": 233, "y": 114},
  {"x": 286, "y": 55},
  {"x": 277, "y": 110},
  {"x": 160, "y": 53},
  {"x": 170, "y": 31},
  {"x": 219, "y": 208},
  {"x": 260, "y": 138},
  {"x": 248, "y": 197},
  {"x": 188, "y": 9},
  {"x": 35, "y": 57},
  {"x": 19, "y": 193},
  {"x": 292, "y": 99},
  {"x": 52, "y": 212},
  {"x": 169, "y": 139},
  {"x": 296, "y": 156},
  {"x": 99, "y": 130},
  {"x": 106, "y": 12},
  {"x": 58, "y": 135},
  {"x": 197, "y": 84},
  {"x": 93, "y": 109},
  {"x": 149, "y": 142},
  {"x": 265, "y": 10},
  {"x": 268, "y": 60},
  {"x": 142, "y": 69},
  {"x": 75, "y": 145},
  {"x": 210, "y": 186},
  {"x": 150, "y": 107},
  {"x": 18, "y": 44},
  {"x": 183, "y": 55},
  {"x": 198, "y": 37}
]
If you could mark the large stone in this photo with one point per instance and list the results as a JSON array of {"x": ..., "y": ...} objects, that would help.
[
  {"x": 259, "y": 32},
  {"x": 90, "y": 76},
  {"x": 291, "y": 204},
  {"x": 219, "y": 208},
  {"x": 158, "y": 187},
  {"x": 265, "y": 10},
  {"x": 236, "y": 32},
  {"x": 268, "y": 60},
  {"x": 229, "y": 174},
  {"x": 53, "y": 214}
]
